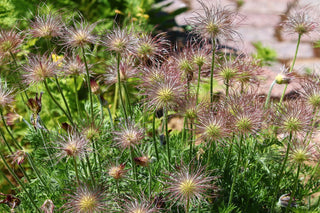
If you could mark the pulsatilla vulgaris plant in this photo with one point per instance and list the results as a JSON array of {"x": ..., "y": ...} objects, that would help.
[{"x": 97, "y": 124}]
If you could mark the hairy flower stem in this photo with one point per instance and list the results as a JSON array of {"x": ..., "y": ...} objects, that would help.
[
  {"x": 19, "y": 181},
  {"x": 291, "y": 68},
  {"x": 126, "y": 91},
  {"x": 134, "y": 172},
  {"x": 76, "y": 169},
  {"x": 35, "y": 169},
  {"x": 236, "y": 171},
  {"x": 150, "y": 180},
  {"x": 117, "y": 186},
  {"x": 154, "y": 134},
  {"x": 294, "y": 188},
  {"x": 115, "y": 99},
  {"x": 191, "y": 143},
  {"x": 188, "y": 205},
  {"x": 76, "y": 94},
  {"x": 12, "y": 153},
  {"x": 226, "y": 165},
  {"x": 266, "y": 105},
  {"x": 63, "y": 97},
  {"x": 57, "y": 103},
  {"x": 227, "y": 83},
  {"x": 198, "y": 85},
  {"x": 212, "y": 68},
  {"x": 45, "y": 147},
  {"x": 280, "y": 175},
  {"x": 119, "y": 87},
  {"x": 165, "y": 117},
  {"x": 90, "y": 169},
  {"x": 88, "y": 83},
  {"x": 8, "y": 181}
]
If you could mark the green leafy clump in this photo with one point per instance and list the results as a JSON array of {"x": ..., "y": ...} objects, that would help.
[{"x": 266, "y": 55}]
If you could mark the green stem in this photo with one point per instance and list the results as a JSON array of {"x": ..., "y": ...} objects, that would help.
[
  {"x": 5, "y": 177},
  {"x": 212, "y": 68},
  {"x": 154, "y": 134},
  {"x": 45, "y": 147},
  {"x": 57, "y": 103},
  {"x": 191, "y": 143},
  {"x": 117, "y": 186},
  {"x": 236, "y": 171},
  {"x": 37, "y": 172},
  {"x": 198, "y": 86},
  {"x": 88, "y": 83},
  {"x": 127, "y": 97},
  {"x": 269, "y": 94},
  {"x": 90, "y": 169},
  {"x": 115, "y": 100},
  {"x": 226, "y": 165},
  {"x": 291, "y": 68},
  {"x": 294, "y": 188},
  {"x": 133, "y": 164},
  {"x": 188, "y": 205},
  {"x": 76, "y": 169},
  {"x": 76, "y": 94},
  {"x": 63, "y": 97},
  {"x": 165, "y": 117},
  {"x": 280, "y": 175},
  {"x": 227, "y": 88},
  {"x": 150, "y": 179},
  {"x": 119, "y": 87},
  {"x": 20, "y": 182}
]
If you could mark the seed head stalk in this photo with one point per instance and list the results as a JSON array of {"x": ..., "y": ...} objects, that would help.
[
  {"x": 63, "y": 97},
  {"x": 119, "y": 86},
  {"x": 57, "y": 103},
  {"x": 212, "y": 68},
  {"x": 198, "y": 85},
  {"x": 280, "y": 175},
  {"x": 76, "y": 94},
  {"x": 294, "y": 188},
  {"x": 133, "y": 165},
  {"x": 236, "y": 171},
  {"x": 291, "y": 68},
  {"x": 154, "y": 134},
  {"x": 88, "y": 83},
  {"x": 269, "y": 94},
  {"x": 76, "y": 169},
  {"x": 20, "y": 182},
  {"x": 165, "y": 117}
]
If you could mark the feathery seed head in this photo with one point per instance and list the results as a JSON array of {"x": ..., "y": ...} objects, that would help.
[
  {"x": 46, "y": 25},
  {"x": 284, "y": 77},
  {"x": 301, "y": 21},
  {"x": 6, "y": 94},
  {"x": 87, "y": 199},
  {"x": 129, "y": 135},
  {"x": 151, "y": 48},
  {"x": 39, "y": 68},
  {"x": 10, "y": 41},
  {"x": 79, "y": 35},
  {"x": 73, "y": 145},
  {"x": 120, "y": 41},
  {"x": 73, "y": 66},
  {"x": 310, "y": 90},
  {"x": 138, "y": 205},
  {"x": 303, "y": 151},
  {"x": 216, "y": 22},
  {"x": 294, "y": 117},
  {"x": 117, "y": 172},
  {"x": 193, "y": 185},
  {"x": 47, "y": 206}
]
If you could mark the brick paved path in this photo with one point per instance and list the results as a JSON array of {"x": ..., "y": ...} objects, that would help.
[{"x": 261, "y": 18}]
